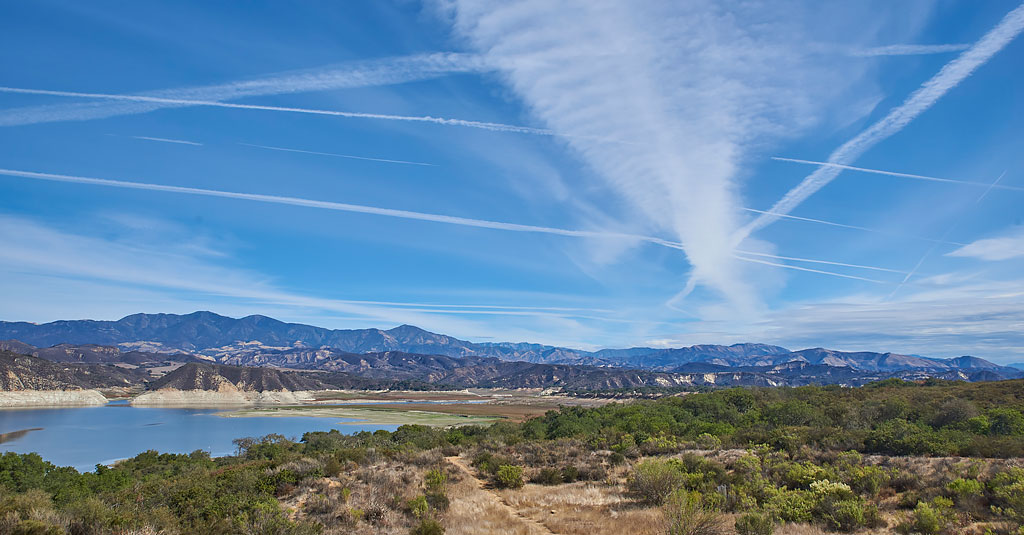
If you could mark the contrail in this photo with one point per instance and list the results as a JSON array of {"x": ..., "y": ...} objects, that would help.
[
  {"x": 338, "y": 155},
  {"x": 328, "y": 205},
  {"x": 828, "y": 262},
  {"x": 798, "y": 268},
  {"x": 854, "y": 227},
  {"x": 908, "y": 50},
  {"x": 496, "y": 127},
  {"x": 903, "y": 175},
  {"x": 365, "y": 73},
  {"x": 165, "y": 140},
  {"x": 403, "y": 214},
  {"x": 928, "y": 94},
  {"x": 948, "y": 231}
]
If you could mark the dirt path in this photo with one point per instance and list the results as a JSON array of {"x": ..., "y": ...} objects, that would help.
[{"x": 514, "y": 521}]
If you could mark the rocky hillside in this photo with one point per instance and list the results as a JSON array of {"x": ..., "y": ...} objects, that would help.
[
  {"x": 93, "y": 353},
  {"x": 25, "y": 372},
  {"x": 216, "y": 377}
]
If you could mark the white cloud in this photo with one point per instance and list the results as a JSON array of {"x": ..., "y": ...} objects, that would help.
[
  {"x": 46, "y": 270},
  {"x": 693, "y": 88},
  {"x": 945, "y": 316},
  {"x": 1006, "y": 247}
]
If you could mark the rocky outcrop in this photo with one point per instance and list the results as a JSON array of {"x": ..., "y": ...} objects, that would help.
[{"x": 51, "y": 398}]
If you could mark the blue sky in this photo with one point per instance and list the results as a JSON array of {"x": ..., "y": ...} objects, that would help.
[{"x": 586, "y": 174}]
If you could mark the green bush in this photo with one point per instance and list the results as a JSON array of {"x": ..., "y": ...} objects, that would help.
[
  {"x": 755, "y": 524},
  {"x": 435, "y": 480},
  {"x": 547, "y": 476},
  {"x": 961, "y": 487},
  {"x": 707, "y": 441},
  {"x": 570, "y": 474},
  {"x": 509, "y": 477},
  {"x": 489, "y": 463},
  {"x": 792, "y": 505},
  {"x": 654, "y": 479},
  {"x": 427, "y": 526},
  {"x": 1007, "y": 489},
  {"x": 417, "y": 506},
  {"x": 930, "y": 518},
  {"x": 685, "y": 514}
]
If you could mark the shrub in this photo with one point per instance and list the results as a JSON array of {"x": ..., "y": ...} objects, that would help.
[
  {"x": 930, "y": 518},
  {"x": 1008, "y": 493},
  {"x": 792, "y": 505},
  {"x": 547, "y": 476},
  {"x": 755, "y": 524},
  {"x": 509, "y": 477},
  {"x": 570, "y": 474},
  {"x": 417, "y": 506},
  {"x": 964, "y": 488},
  {"x": 707, "y": 441},
  {"x": 333, "y": 467},
  {"x": 438, "y": 501},
  {"x": 843, "y": 515},
  {"x": 36, "y": 527},
  {"x": 436, "y": 480},
  {"x": 686, "y": 515},
  {"x": 427, "y": 526},
  {"x": 489, "y": 463},
  {"x": 653, "y": 480}
]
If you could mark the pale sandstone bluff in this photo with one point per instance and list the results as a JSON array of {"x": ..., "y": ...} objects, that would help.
[
  {"x": 170, "y": 397},
  {"x": 51, "y": 398}
]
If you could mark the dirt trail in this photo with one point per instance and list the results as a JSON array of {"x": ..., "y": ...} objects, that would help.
[{"x": 527, "y": 524}]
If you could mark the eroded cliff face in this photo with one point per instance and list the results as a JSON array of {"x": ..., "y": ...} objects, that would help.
[
  {"x": 51, "y": 398},
  {"x": 225, "y": 397}
]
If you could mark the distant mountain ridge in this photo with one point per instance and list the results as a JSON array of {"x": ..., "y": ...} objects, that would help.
[{"x": 264, "y": 341}]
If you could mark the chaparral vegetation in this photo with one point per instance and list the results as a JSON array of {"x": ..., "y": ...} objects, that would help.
[{"x": 891, "y": 457}]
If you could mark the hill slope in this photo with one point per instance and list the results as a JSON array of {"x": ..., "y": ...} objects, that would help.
[
  {"x": 24, "y": 372},
  {"x": 217, "y": 377}
]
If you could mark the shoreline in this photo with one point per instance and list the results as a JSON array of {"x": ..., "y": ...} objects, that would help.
[
  {"x": 363, "y": 415},
  {"x": 42, "y": 399}
]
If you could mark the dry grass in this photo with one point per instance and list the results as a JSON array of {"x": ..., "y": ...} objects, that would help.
[{"x": 584, "y": 509}]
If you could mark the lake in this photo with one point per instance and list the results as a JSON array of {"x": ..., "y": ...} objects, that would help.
[{"x": 83, "y": 437}]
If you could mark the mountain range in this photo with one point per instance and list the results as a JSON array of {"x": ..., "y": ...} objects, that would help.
[{"x": 410, "y": 353}]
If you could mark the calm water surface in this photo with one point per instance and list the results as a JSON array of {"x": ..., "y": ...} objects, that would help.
[{"x": 85, "y": 436}]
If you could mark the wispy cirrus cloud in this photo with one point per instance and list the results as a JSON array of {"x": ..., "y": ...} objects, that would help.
[
  {"x": 907, "y": 50},
  {"x": 917, "y": 103},
  {"x": 694, "y": 87},
  {"x": 378, "y": 72},
  {"x": 31, "y": 247},
  {"x": 1006, "y": 247}
]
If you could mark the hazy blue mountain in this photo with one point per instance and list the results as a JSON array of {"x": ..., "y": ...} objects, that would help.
[{"x": 262, "y": 341}]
